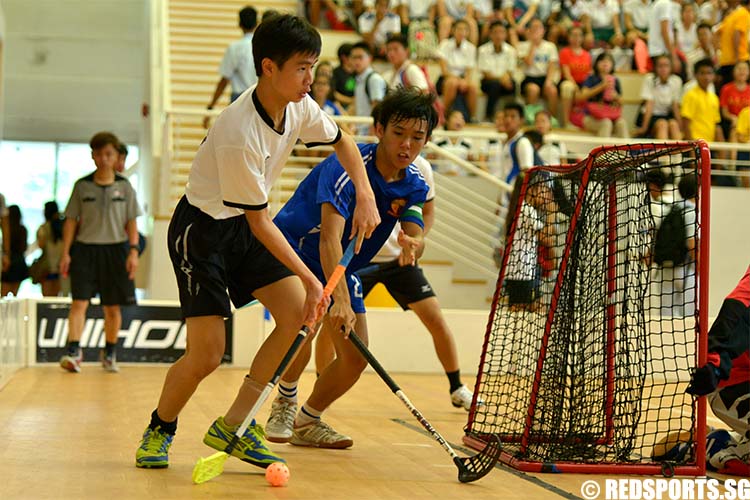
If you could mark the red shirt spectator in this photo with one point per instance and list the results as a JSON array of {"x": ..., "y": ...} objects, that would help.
[{"x": 579, "y": 64}]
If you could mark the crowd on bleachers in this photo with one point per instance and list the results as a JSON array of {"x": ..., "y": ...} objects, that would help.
[{"x": 559, "y": 58}]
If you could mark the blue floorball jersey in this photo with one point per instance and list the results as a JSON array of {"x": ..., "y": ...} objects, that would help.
[{"x": 328, "y": 182}]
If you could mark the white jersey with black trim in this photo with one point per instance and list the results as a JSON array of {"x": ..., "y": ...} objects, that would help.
[
  {"x": 391, "y": 249},
  {"x": 242, "y": 155}
]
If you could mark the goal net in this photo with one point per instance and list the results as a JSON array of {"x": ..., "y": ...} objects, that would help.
[{"x": 599, "y": 314}]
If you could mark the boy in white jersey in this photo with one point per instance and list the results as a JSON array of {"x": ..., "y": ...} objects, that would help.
[{"x": 221, "y": 237}]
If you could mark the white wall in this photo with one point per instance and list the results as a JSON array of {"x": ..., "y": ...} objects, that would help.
[{"x": 74, "y": 67}]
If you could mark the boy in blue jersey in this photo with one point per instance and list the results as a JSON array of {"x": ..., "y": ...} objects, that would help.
[{"x": 316, "y": 221}]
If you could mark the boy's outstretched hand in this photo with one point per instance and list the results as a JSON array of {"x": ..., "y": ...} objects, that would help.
[
  {"x": 409, "y": 247},
  {"x": 366, "y": 219}
]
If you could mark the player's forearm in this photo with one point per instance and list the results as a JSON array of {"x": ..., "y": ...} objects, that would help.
[
  {"x": 69, "y": 232},
  {"x": 351, "y": 159},
  {"x": 330, "y": 255},
  {"x": 220, "y": 86},
  {"x": 131, "y": 228}
]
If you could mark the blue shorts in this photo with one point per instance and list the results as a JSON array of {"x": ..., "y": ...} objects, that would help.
[{"x": 354, "y": 284}]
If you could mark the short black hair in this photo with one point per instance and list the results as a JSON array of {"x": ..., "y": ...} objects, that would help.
[
  {"x": 398, "y": 38},
  {"x": 703, "y": 63},
  {"x": 344, "y": 50},
  {"x": 498, "y": 22},
  {"x": 534, "y": 137},
  {"x": 705, "y": 25},
  {"x": 364, "y": 46},
  {"x": 278, "y": 38},
  {"x": 656, "y": 176},
  {"x": 514, "y": 106},
  {"x": 248, "y": 18},
  {"x": 688, "y": 186},
  {"x": 268, "y": 13},
  {"x": 122, "y": 149},
  {"x": 101, "y": 139},
  {"x": 406, "y": 104}
]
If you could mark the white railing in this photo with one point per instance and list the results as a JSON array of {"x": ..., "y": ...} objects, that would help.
[{"x": 468, "y": 212}]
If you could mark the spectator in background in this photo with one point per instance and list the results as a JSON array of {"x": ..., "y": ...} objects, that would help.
[
  {"x": 708, "y": 11},
  {"x": 325, "y": 69},
  {"x": 553, "y": 153},
  {"x": 344, "y": 78},
  {"x": 602, "y": 93},
  {"x": 93, "y": 252},
  {"x": 687, "y": 30},
  {"x": 700, "y": 107},
  {"x": 636, "y": 14},
  {"x": 518, "y": 153},
  {"x": 416, "y": 10},
  {"x": 49, "y": 239},
  {"x": 704, "y": 48},
  {"x": 459, "y": 146},
  {"x": 733, "y": 39},
  {"x": 405, "y": 73},
  {"x": 370, "y": 88},
  {"x": 575, "y": 67},
  {"x": 743, "y": 137},
  {"x": 5, "y": 233},
  {"x": 340, "y": 14},
  {"x": 322, "y": 93},
  {"x": 604, "y": 16},
  {"x": 376, "y": 25},
  {"x": 458, "y": 59},
  {"x": 497, "y": 62},
  {"x": 122, "y": 156},
  {"x": 661, "y": 32},
  {"x": 519, "y": 14},
  {"x": 566, "y": 14},
  {"x": 539, "y": 60},
  {"x": 450, "y": 12},
  {"x": 660, "y": 92},
  {"x": 237, "y": 65},
  {"x": 17, "y": 270},
  {"x": 735, "y": 96}
]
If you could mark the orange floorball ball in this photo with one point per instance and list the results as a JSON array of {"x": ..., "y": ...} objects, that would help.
[{"x": 277, "y": 474}]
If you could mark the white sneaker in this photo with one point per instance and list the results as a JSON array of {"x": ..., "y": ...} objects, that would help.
[
  {"x": 72, "y": 363},
  {"x": 319, "y": 434},
  {"x": 280, "y": 423},
  {"x": 462, "y": 397},
  {"x": 109, "y": 363}
]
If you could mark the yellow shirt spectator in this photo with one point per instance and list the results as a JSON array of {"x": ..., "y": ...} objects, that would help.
[
  {"x": 743, "y": 125},
  {"x": 737, "y": 21},
  {"x": 702, "y": 109}
]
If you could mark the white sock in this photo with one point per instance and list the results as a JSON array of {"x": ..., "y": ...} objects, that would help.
[
  {"x": 288, "y": 390},
  {"x": 307, "y": 415}
]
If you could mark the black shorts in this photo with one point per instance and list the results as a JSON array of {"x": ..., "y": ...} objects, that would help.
[
  {"x": 212, "y": 257},
  {"x": 100, "y": 269},
  {"x": 406, "y": 284},
  {"x": 539, "y": 80},
  {"x": 520, "y": 291}
]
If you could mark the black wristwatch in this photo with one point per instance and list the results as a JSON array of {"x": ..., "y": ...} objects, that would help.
[{"x": 134, "y": 247}]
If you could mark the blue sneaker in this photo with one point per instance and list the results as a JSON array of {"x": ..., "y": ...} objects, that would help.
[
  {"x": 250, "y": 448},
  {"x": 153, "y": 453}
]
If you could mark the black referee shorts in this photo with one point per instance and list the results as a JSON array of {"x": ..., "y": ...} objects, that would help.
[
  {"x": 215, "y": 260},
  {"x": 406, "y": 284},
  {"x": 100, "y": 269}
]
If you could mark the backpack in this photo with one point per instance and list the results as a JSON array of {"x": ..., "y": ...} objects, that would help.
[
  {"x": 516, "y": 169},
  {"x": 670, "y": 244},
  {"x": 422, "y": 39}
]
